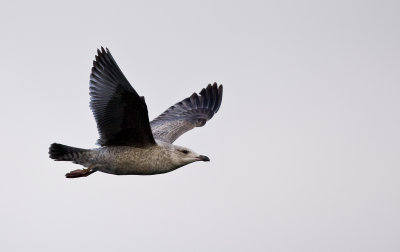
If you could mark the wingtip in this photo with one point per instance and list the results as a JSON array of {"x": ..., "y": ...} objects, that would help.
[
  {"x": 220, "y": 89},
  {"x": 102, "y": 51}
]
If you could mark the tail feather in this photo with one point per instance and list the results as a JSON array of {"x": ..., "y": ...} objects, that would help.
[{"x": 60, "y": 152}]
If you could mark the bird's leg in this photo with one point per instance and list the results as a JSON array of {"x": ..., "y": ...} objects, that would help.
[{"x": 81, "y": 172}]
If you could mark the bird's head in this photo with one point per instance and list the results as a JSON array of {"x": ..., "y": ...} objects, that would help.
[{"x": 182, "y": 156}]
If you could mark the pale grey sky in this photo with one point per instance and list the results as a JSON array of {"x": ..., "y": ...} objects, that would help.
[{"x": 304, "y": 150}]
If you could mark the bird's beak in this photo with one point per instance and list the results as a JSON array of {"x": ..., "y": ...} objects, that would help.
[{"x": 203, "y": 158}]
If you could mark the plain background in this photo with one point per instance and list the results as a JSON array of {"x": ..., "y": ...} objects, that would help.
[{"x": 304, "y": 150}]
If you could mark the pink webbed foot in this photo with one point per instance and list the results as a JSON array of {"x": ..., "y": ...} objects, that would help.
[{"x": 79, "y": 173}]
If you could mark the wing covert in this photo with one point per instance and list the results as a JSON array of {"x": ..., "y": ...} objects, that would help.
[{"x": 191, "y": 112}]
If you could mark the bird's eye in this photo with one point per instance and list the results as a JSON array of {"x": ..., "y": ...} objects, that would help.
[{"x": 185, "y": 151}]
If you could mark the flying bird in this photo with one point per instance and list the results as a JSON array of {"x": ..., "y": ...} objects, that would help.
[{"x": 129, "y": 143}]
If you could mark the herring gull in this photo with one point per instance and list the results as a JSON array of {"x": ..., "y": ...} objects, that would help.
[{"x": 130, "y": 144}]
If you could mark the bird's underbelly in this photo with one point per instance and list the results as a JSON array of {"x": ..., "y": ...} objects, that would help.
[
  {"x": 132, "y": 169},
  {"x": 131, "y": 162}
]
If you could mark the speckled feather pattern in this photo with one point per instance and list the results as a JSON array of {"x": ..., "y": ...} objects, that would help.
[
  {"x": 126, "y": 160},
  {"x": 191, "y": 112}
]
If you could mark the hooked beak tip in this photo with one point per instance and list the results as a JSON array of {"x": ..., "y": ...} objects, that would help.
[{"x": 204, "y": 158}]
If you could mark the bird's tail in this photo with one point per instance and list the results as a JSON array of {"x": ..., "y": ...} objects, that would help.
[{"x": 60, "y": 152}]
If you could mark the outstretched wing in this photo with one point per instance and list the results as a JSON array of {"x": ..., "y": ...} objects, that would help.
[
  {"x": 193, "y": 111},
  {"x": 121, "y": 114}
]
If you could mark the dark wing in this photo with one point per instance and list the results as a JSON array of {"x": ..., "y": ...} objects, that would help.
[
  {"x": 121, "y": 114},
  {"x": 193, "y": 111}
]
